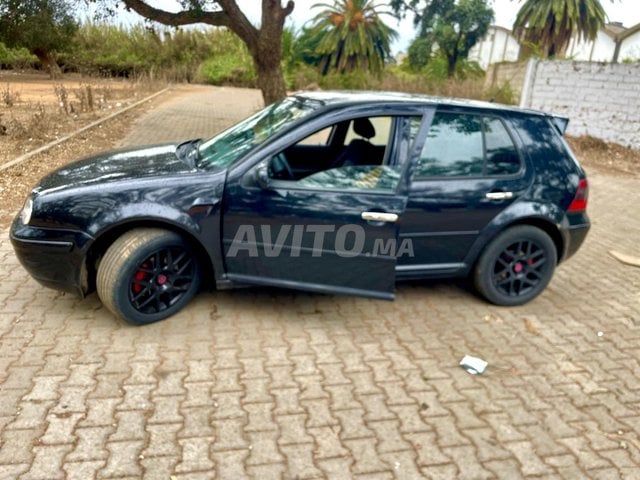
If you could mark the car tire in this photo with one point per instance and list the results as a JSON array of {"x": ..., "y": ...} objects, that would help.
[
  {"x": 516, "y": 266},
  {"x": 147, "y": 274}
]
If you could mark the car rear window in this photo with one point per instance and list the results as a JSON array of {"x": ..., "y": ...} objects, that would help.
[{"x": 467, "y": 145}]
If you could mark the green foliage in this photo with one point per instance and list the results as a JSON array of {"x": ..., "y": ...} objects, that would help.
[
  {"x": 115, "y": 50},
  {"x": 550, "y": 24},
  {"x": 303, "y": 46},
  {"x": 178, "y": 55},
  {"x": 352, "y": 36},
  {"x": 232, "y": 68},
  {"x": 229, "y": 62},
  {"x": 455, "y": 26},
  {"x": 41, "y": 26},
  {"x": 437, "y": 70},
  {"x": 16, "y": 57},
  {"x": 419, "y": 53}
]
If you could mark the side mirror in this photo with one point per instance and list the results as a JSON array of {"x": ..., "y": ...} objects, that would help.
[{"x": 262, "y": 176}]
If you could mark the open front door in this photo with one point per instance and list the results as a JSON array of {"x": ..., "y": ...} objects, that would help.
[
  {"x": 316, "y": 240},
  {"x": 323, "y": 215}
]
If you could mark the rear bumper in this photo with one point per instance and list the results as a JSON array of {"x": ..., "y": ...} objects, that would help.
[
  {"x": 575, "y": 234},
  {"x": 55, "y": 258}
]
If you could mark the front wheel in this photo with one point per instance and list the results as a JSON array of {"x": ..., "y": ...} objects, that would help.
[
  {"x": 147, "y": 274},
  {"x": 516, "y": 266}
]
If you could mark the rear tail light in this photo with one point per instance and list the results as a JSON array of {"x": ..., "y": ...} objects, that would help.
[{"x": 579, "y": 203}]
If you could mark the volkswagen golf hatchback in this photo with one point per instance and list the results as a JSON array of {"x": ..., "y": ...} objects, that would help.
[{"x": 333, "y": 192}]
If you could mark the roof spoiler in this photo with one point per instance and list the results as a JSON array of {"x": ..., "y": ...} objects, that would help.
[{"x": 561, "y": 123}]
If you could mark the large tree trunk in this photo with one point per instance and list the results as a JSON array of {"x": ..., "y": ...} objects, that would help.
[
  {"x": 267, "y": 51},
  {"x": 49, "y": 62},
  {"x": 270, "y": 77},
  {"x": 451, "y": 66}
]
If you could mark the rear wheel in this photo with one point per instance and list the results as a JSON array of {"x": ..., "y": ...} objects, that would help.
[
  {"x": 147, "y": 275},
  {"x": 516, "y": 266}
]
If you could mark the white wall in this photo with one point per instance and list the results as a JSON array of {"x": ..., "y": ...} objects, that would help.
[
  {"x": 497, "y": 46},
  {"x": 630, "y": 48},
  {"x": 600, "y": 99},
  {"x": 602, "y": 51}
]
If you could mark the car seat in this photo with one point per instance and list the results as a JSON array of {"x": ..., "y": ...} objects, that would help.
[{"x": 360, "y": 151}]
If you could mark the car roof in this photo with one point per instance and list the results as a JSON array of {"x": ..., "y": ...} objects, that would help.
[{"x": 336, "y": 98}]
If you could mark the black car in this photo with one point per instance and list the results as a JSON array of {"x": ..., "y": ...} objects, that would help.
[{"x": 335, "y": 192}]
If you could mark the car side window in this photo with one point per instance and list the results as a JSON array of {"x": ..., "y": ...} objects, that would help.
[
  {"x": 502, "y": 156},
  {"x": 466, "y": 145},
  {"x": 453, "y": 147},
  {"x": 357, "y": 155},
  {"x": 382, "y": 127},
  {"x": 319, "y": 138}
]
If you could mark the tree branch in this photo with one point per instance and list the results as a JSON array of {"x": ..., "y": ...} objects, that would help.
[
  {"x": 185, "y": 17},
  {"x": 239, "y": 23},
  {"x": 286, "y": 11}
]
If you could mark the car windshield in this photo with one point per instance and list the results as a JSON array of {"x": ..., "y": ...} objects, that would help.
[{"x": 230, "y": 145}]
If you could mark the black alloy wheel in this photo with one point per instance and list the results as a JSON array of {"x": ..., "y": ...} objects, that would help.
[
  {"x": 147, "y": 275},
  {"x": 516, "y": 266}
]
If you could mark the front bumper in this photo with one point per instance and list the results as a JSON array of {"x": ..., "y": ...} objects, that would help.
[{"x": 53, "y": 257}]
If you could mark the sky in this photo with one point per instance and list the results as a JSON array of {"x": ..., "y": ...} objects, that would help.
[{"x": 625, "y": 11}]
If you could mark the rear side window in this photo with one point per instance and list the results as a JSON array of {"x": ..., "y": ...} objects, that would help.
[
  {"x": 464, "y": 145},
  {"x": 501, "y": 155}
]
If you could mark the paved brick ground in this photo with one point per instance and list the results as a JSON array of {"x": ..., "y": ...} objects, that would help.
[{"x": 262, "y": 383}]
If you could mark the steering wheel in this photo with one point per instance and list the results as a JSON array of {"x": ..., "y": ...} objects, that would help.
[{"x": 280, "y": 166}]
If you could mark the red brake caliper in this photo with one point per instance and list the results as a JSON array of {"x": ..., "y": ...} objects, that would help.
[{"x": 140, "y": 275}]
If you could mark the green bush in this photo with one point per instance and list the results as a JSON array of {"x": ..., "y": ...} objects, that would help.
[
  {"x": 229, "y": 62},
  {"x": 16, "y": 57},
  {"x": 228, "y": 69},
  {"x": 126, "y": 51}
]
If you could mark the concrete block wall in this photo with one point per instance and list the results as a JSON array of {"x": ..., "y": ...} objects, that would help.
[
  {"x": 512, "y": 73},
  {"x": 601, "y": 99}
]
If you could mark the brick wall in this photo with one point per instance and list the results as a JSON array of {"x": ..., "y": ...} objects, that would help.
[
  {"x": 601, "y": 99},
  {"x": 512, "y": 73}
]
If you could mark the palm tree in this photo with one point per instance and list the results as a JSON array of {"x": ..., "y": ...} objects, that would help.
[
  {"x": 550, "y": 24},
  {"x": 353, "y": 36}
]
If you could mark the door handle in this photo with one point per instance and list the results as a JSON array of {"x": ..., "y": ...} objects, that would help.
[
  {"x": 379, "y": 217},
  {"x": 499, "y": 195}
]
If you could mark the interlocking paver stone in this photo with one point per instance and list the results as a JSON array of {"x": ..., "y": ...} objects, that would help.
[{"x": 263, "y": 383}]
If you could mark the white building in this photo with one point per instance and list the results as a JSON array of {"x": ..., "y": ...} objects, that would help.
[
  {"x": 614, "y": 43},
  {"x": 499, "y": 45},
  {"x": 629, "y": 48}
]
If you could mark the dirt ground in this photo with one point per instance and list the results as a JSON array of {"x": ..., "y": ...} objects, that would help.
[
  {"x": 608, "y": 158},
  {"x": 35, "y": 110},
  {"x": 32, "y": 114}
]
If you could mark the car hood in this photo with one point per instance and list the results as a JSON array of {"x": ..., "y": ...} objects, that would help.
[{"x": 124, "y": 164}]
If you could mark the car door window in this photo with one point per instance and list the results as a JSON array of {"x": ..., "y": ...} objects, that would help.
[
  {"x": 453, "y": 147},
  {"x": 382, "y": 127},
  {"x": 467, "y": 145},
  {"x": 360, "y": 162},
  {"x": 319, "y": 138}
]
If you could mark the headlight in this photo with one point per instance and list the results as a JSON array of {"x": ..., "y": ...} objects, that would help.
[{"x": 25, "y": 213}]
